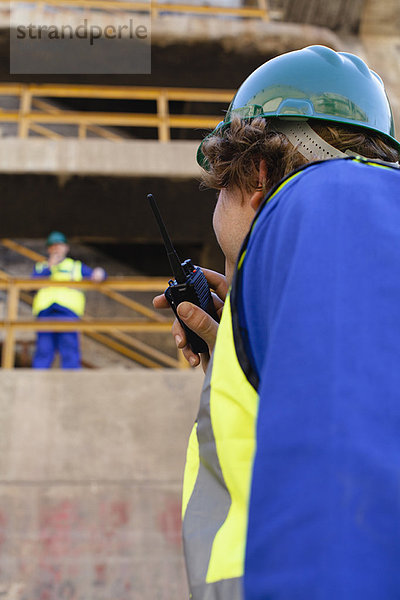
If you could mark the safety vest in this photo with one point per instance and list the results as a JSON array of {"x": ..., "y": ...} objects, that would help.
[
  {"x": 71, "y": 298},
  {"x": 218, "y": 473},
  {"x": 220, "y": 456}
]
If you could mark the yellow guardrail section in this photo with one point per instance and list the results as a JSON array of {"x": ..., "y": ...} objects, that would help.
[
  {"x": 37, "y": 114},
  {"x": 155, "y": 8}
]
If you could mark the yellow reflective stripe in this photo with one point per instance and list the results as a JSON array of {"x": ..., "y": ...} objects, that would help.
[
  {"x": 233, "y": 409},
  {"x": 241, "y": 259},
  {"x": 283, "y": 185},
  {"x": 371, "y": 164},
  {"x": 191, "y": 468},
  {"x": 77, "y": 271}
]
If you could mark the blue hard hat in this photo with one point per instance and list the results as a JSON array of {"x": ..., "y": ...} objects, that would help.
[
  {"x": 56, "y": 237},
  {"x": 314, "y": 83}
]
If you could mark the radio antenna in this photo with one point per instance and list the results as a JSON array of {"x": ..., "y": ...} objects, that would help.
[{"x": 173, "y": 258}]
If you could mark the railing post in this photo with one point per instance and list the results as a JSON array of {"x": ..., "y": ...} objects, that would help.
[
  {"x": 183, "y": 363},
  {"x": 82, "y": 131},
  {"x": 24, "y": 110},
  {"x": 162, "y": 112},
  {"x": 154, "y": 9},
  {"x": 262, "y": 4},
  {"x": 8, "y": 354}
]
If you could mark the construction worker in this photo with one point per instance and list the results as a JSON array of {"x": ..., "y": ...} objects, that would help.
[
  {"x": 60, "y": 303},
  {"x": 292, "y": 474}
]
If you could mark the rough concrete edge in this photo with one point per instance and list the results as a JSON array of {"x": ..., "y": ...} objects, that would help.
[{"x": 272, "y": 36}]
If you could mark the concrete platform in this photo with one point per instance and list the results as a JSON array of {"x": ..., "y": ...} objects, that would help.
[{"x": 91, "y": 468}]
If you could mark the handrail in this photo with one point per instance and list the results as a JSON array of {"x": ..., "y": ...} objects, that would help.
[
  {"x": 38, "y": 115},
  {"x": 116, "y": 92},
  {"x": 128, "y": 284},
  {"x": 98, "y": 325},
  {"x": 154, "y": 7}
]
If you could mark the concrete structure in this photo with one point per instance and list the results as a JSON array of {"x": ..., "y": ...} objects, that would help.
[
  {"x": 91, "y": 470},
  {"x": 187, "y": 50},
  {"x": 380, "y": 38},
  {"x": 125, "y": 158}
]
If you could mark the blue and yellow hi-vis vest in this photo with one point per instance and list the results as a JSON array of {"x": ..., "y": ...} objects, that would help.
[
  {"x": 220, "y": 456},
  {"x": 71, "y": 298},
  {"x": 216, "y": 486}
]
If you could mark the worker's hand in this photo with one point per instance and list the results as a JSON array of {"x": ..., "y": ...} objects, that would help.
[
  {"x": 57, "y": 253},
  {"x": 197, "y": 319},
  {"x": 98, "y": 274}
]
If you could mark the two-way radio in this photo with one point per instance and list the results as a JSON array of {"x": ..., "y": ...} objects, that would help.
[{"x": 190, "y": 285}]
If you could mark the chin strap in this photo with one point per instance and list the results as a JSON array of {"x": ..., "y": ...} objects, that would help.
[{"x": 310, "y": 145}]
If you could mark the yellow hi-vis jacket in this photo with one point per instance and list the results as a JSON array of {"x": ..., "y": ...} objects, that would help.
[
  {"x": 71, "y": 298},
  {"x": 218, "y": 474},
  {"x": 333, "y": 299},
  {"x": 219, "y": 464}
]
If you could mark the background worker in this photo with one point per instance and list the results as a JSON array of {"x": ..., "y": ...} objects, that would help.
[
  {"x": 60, "y": 303},
  {"x": 291, "y": 481}
]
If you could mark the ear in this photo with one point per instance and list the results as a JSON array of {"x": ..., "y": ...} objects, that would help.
[{"x": 259, "y": 194}]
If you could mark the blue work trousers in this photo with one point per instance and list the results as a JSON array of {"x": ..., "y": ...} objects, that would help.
[{"x": 48, "y": 343}]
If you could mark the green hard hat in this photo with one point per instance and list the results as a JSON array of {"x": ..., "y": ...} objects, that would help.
[
  {"x": 56, "y": 237},
  {"x": 314, "y": 83}
]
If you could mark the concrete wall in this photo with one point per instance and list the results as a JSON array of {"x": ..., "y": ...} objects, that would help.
[
  {"x": 381, "y": 18},
  {"x": 91, "y": 468}
]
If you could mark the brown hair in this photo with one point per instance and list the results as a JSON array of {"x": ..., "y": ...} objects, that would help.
[{"x": 234, "y": 157}]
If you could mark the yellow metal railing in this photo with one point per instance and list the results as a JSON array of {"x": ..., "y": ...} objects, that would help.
[
  {"x": 16, "y": 291},
  {"x": 260, "y": 11},
  {"x": 37, "y": 114}
]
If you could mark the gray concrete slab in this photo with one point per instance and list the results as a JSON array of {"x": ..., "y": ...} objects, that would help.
[
  {"x": 91, "y": 467},
  {"x": 144, "y": 158}
]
